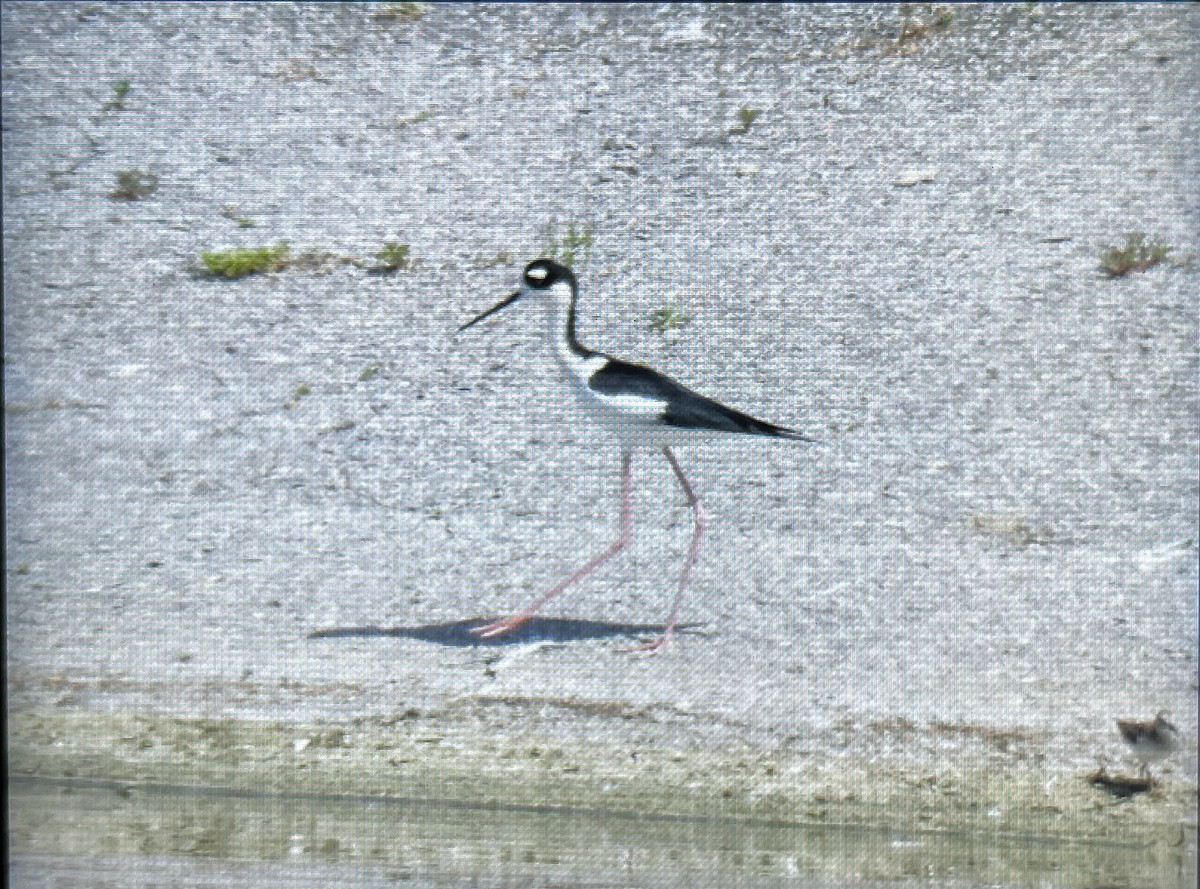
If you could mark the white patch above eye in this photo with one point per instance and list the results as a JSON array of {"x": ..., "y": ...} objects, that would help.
[{"x": 537, "y": 274}]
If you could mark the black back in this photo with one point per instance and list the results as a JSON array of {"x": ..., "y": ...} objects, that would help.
[{"x": 685, "y": 408}]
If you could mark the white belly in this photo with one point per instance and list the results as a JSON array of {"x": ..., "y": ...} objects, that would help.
[{"x": 632, "y": 421}]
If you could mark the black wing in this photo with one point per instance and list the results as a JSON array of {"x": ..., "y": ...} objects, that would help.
[{"x": 685, "y": 408}]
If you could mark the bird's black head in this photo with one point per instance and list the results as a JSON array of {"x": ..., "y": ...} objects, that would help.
[{"x": 543, "y": 273}]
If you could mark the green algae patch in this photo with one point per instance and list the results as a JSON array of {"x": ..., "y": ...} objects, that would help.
[{"x": 229, "y": 787}]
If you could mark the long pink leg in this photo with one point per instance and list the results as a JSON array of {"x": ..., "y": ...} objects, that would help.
[
  {"x": 701, "y": 515},
  {"x": 511, "y": 623}
]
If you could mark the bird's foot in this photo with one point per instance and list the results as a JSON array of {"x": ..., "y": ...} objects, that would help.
[
  {"x": 653, "y": 646},
  {"x": 500, "y": 627}
]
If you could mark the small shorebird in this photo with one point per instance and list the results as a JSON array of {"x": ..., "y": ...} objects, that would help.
[
  {"x": 635, "y": 406},
  {"x": 1151, "y": 741}
]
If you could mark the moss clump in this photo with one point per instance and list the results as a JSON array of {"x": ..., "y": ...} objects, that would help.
[
  {"x": 301, "y": 391},
  {"x": 419, "y": 117},
  {"x": 400, "y": 11},
  {"x": 483, "y": 262},
  {"x": 1136, "y": 256},
  {"x": 912, "y": 32},
  {"x": 229, "y": 211},
  {"x": 133, "y": 185},
  {"x": 667, "y": 318},
  {"x": 746, "y": 118},
  {"x": 242, "y": 261}
]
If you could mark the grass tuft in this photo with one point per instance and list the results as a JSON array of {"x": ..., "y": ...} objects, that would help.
[
  {"x": 575, "y": 245},
  {"x": 1136, "y": 256},
  {"x": 120, "y": 90},
  {"x": 242, "y": 261},
  {"x": 393, "y": 256}
]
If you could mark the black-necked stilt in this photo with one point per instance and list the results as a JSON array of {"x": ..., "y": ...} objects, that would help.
[
  {"x": 1151, "y": 741},
  {"x": 638, "y": 407}
]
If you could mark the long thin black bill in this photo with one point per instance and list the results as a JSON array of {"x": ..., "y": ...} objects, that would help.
[{"x": 496, "y": 308}]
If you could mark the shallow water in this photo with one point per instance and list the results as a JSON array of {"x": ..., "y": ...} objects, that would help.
[{"x": 110, "y": 833}]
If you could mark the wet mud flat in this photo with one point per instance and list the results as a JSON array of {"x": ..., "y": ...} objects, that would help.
[{"x": 424, "y": 801}]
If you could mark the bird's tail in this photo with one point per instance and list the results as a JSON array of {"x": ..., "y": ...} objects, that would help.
[{"x": 764, "y": 428}]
